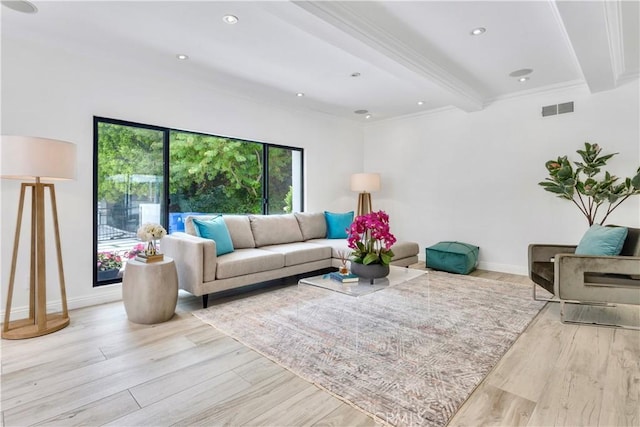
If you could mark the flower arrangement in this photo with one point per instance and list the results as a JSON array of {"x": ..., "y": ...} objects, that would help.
[
  {"x": 109, "y": 261},
  {"x": 370, "y": 239},
  {"x": 113, "y": 260},
  {"x": 135, "y": 251},
  {"x": 150, "y": 233}
]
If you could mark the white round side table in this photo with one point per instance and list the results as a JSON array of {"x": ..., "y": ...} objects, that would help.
[{"x": 150, "y": 290}]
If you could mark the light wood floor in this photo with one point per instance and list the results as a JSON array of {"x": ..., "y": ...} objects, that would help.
[{"x": 102, "y": 369}]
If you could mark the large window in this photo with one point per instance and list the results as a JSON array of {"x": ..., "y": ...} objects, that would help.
[{"x": 152, "y": 174}]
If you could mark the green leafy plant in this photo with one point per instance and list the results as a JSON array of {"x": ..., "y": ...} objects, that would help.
[{"x": 586, "y": 187}]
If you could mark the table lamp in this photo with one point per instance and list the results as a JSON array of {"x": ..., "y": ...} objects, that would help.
[
  {"x": 365, "y": 183},
  {"x": 31, "y": 158}
]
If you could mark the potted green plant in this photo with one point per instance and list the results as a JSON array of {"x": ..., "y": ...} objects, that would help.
[{"x": 586, "y": 187}]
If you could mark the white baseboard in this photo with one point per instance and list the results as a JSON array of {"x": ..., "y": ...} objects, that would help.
[
  {"x": 504, "y": 268},
  {"x": 110, "y": 294},
  {"x": 492, "y": 266}
]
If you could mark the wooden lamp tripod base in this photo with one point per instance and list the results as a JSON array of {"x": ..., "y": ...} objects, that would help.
[{"x": 39, "y": 322}]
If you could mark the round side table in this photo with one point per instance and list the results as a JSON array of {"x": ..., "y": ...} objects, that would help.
[{"x": 150, "y": 290}]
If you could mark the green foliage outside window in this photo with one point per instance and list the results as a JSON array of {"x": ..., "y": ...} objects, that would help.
[
  {"x": 206, "y": 173},
  {"x": 125, "y": 154}
]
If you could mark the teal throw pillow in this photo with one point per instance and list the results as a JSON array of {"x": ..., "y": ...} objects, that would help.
[
  {"x": 599, "y": 240},
  {"x": 215, "y": 229},
  {"x": 337, "y": 224}
]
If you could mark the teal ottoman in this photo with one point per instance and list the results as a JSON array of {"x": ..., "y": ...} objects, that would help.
[{"x": 454, "y": 257}]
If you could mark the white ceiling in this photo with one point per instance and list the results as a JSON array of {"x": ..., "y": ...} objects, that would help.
[{"x": 405, "y": 51}]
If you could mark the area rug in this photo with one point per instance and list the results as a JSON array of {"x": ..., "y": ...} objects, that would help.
[{"x": 407, "y": 355}]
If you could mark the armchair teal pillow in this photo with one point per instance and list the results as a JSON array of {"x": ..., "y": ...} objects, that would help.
[
  {"x": 337, "y": 224},
  {"x": 604, "y": 241},
  {"x": 215, "y": 229}
]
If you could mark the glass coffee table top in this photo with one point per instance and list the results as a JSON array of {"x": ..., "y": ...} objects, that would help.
[{"x": 396, "y": 276}]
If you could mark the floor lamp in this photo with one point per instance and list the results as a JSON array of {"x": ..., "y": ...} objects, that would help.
[
  {"x": 365, "y": 183},
  {"x": 31, "y": 158}
]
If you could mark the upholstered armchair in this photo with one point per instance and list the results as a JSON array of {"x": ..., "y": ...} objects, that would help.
[
  {"x": 541, "y": 266},
  {"x": 587, "y": 279}
]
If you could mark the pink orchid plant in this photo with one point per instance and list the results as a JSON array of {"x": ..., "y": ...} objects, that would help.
[{"x": 370, "y": 239}]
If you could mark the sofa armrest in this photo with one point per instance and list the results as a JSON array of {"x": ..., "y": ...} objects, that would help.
[
  {"x": 195, "y": 259},
  {"x": 570, "y": 283},
  {"x": 544, "y": 253}
]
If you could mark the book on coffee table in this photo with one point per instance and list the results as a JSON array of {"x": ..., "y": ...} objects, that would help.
[
  {"x": 343, "y": 278},
  {"x": 149, "y": 258}
]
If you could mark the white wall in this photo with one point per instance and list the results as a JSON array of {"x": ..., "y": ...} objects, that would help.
[
  {"x": 473, "y": 177},
  {"x": 56, "y": 94},
  {"x": 445, "y": 176}
]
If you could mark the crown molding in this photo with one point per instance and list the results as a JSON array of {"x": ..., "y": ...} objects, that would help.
[{"x": 545, "y": 90}]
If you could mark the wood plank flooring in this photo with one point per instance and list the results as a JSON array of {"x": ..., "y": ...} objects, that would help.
[{"x": 105, "y": 370}]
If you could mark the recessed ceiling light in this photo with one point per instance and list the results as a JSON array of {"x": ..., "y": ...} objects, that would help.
[
  {"x": 523, "y": 79},
  {"x": 368, "y": 116},
  {"x": 20, "y": 6},
  {"x": 478, "y": 31},
  {"x": 182, "y": 57},
  {"x": 230, "y": 19},
  {"x": 420, "y": 102},
  {"x": 299, "y": 94},
  {"x": 356, "y": 74},
  {"x": 521, "y": 72},
  {"x": 361, "y": 111}
]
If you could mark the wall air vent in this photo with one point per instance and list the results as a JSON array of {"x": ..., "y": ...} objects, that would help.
[
  {"x": 549, "y": 110},
  {"x": 552, "y": 110},
  {"x": 567, "y": 107}
]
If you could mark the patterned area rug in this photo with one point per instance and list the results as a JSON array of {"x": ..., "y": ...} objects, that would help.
[{"x": 407, "y": 355}]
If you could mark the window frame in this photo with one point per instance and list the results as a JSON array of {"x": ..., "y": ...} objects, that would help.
[{"x": 166, "y": 131}]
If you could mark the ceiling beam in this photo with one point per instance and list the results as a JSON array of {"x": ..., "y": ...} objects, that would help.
[
  {"x": 373, "y": 26},
  {"x": 595, "y": 33}
]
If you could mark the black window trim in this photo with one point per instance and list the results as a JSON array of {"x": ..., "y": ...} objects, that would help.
[{"x": 166, "y": 169}]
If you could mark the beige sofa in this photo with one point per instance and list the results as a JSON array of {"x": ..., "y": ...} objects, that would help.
[{"x": 266, "y": 247}]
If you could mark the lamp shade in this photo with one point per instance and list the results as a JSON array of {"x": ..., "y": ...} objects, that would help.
[
  {"x": 365, "y": 182},
  {"x": 28, "y": 157}
]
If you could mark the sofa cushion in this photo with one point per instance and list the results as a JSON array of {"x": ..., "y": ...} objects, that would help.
[
  {"x": 337, "y": 224},
  {"x": 336, "y": 245},
  {"x": 400, "y": 249},
  {"x": 300, "y": 253},
  {"x": 240, "y": 230},
  {"x": 275, "y": 229},
  {"x": 189, "y": 228},
  {"x": 312, "y": 225},
  {"x": 248, "y": 261},
  {"x": 215, "y": 229},
  {"x": 599, "y": 240},
  {"x": 405, "y": 250},
  {"x": 238, "y": 226}
]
